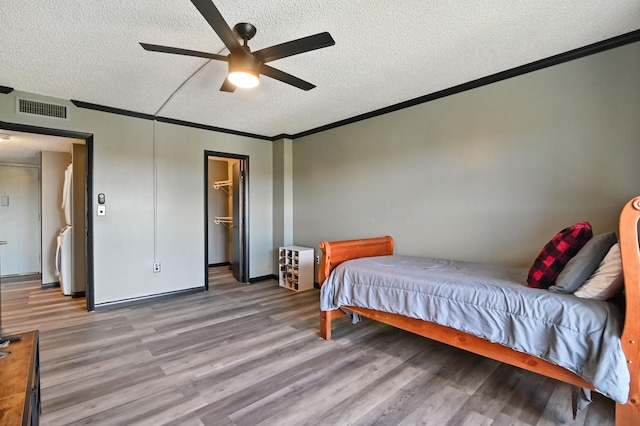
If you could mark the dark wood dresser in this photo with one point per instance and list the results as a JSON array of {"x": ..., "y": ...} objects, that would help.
[{"x": 20, "y": 382}]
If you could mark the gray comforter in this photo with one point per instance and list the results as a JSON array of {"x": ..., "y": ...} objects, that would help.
[{"x": 493, "y": 303}]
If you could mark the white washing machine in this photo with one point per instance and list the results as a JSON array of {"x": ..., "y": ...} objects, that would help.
[{"x": 64, "y": 260}]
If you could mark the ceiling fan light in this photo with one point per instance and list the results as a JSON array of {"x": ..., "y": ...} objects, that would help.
[
  {"x": 244, "y": 79},
  {"x": 244, "y": 71}
]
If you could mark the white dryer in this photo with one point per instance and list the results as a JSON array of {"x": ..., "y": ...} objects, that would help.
[{"x": 64, "y": 260}]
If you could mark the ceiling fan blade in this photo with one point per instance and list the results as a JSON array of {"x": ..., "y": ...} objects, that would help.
[
  {"x": 213, "y": 16},
  {"x": 185, "y": 52},
  {"x": 285, "y": 78},
  {"x": 294, "y": 47},
  {"x": 227, "y": 86}
]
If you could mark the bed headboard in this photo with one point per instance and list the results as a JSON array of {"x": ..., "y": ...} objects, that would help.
[
  {"x": 630, "y": 339},
  {"x": 334, "y": 253}
]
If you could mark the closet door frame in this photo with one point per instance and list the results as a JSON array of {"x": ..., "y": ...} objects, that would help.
[{"x": 244, "y": 231}]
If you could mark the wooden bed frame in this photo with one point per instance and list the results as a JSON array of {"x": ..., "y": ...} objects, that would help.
[{"x": 334, "y": 253}]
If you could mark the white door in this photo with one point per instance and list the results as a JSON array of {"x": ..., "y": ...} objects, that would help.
[{"x": 20, "y": 219}]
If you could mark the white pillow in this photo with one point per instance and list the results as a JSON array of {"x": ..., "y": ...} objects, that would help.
[{"x": 607, "y": 280}]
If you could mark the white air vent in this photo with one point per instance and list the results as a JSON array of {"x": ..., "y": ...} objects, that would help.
[{"x": 41, "y": 109}]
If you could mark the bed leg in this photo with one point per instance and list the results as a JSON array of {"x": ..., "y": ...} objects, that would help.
[{"x": 325, "y": 324}]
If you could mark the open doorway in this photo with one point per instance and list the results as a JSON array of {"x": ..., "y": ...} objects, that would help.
[
  {"x": 226, "y": 213},
  {"x": 59, "y": 156}
]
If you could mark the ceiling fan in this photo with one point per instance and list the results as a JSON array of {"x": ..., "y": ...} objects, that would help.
[{"x": 245, "y": 66}]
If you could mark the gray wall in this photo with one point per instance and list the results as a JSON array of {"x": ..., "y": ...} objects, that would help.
[
  {"x": 123, "y": 169},
  {"x": 282, "y": 195},
  {"x": 78, "y": 218},
  {"x": 52, "y": 169},
  {"x": 486, "y": 175}
]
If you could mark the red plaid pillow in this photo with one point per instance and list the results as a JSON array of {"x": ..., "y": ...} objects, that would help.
[{"x": 555, "y": 255}]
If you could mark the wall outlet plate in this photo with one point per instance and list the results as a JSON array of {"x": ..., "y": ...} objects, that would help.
[
  {"x": 156, "y": 267},
  {"x": 317, "y": 260}
]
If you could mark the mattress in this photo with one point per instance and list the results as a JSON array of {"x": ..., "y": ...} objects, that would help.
[{"x": 494, "y": 303}]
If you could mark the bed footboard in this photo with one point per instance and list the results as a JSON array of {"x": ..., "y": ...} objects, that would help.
[{"x": 336, "y": 252}]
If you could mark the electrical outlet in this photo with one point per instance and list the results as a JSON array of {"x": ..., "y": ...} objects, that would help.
[
  {"x": 317, "y": 260},
  {"x": 156, "y": 267}
]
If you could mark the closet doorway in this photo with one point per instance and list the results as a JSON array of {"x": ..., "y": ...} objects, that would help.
[{"x": 226, "y": 213}]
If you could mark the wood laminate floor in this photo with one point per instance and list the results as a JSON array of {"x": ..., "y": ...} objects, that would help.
[{"x": 250, "y": 355}]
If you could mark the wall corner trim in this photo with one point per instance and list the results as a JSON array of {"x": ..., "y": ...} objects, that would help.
[
  {"x": 141, "y": 115},
  {"x": 578, "y": 53},
  {"x": 263, "y": 278},
  {"x": 611, "y": 43},
  {"x": 145, "y": 299},
  {"x": 119, "y": 111}
]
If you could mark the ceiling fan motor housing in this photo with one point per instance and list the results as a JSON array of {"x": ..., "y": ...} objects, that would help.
[{"x": 245, "y": 30}]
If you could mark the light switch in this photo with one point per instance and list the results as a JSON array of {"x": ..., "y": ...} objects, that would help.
[
  {"x": 102, "y": 210},
  {"x": 5, "y": 200}
]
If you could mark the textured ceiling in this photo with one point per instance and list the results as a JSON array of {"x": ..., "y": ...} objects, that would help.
[
  {"x": 25, "y": 148},
  {"x": 386, "y": 52}
]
